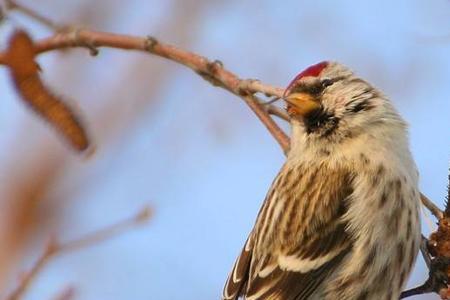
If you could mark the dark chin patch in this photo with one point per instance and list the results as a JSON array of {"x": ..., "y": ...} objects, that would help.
[{"x": 320, "y": 122}]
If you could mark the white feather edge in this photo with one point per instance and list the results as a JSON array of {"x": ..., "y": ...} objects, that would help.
[
  {"x": 294, "y": 264},
  {"x": 233, "y": 276}
]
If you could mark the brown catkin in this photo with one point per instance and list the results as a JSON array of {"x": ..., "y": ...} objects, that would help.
[{"x": 25, "y": 76}]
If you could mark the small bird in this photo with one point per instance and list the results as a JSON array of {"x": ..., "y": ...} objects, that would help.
[{"x": 341, "y": 219}]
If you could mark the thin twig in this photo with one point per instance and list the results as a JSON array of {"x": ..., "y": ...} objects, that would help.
[
  {"x": 436, "y": 211},
  {"x": 55, "y": 248},
  {"x": 271, "y": 101},
  {"x": 67, "y": 293},
  {"x": 107, "y": 233},
  {"x": 256, "y": 86},
  {"x": 276, "y": 111},
  {"x": 436, "y": 282},
  {"x": 424, "y": 251},
  {"x": 14, "y": 5},
  {"x": 447, "y": 198},
  {"x": 28, "y": 277}
]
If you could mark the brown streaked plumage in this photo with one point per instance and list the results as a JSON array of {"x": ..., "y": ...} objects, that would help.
[
  {"x": 343, "y": 225},
  {"x": 298, "y": 186}
]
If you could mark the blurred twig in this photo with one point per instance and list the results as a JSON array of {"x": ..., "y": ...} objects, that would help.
[
  {"x": 67, "y": 293},
  {"x": 447, "y": 204},
  {"x": 436, "y": 211},
  {"x": 13, "y": 5},
  {"x": 55, "y": 248}
]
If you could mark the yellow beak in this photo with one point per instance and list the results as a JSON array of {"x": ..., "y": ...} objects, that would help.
[{"x": 301, "y": 104}]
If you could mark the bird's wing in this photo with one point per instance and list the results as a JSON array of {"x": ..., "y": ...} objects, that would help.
[
  {"x": 296, "y": 273},
  {"x": 274, "y": 280},
  {"x": 237, "y": 279},
  {"x": 298, "y": 242}
]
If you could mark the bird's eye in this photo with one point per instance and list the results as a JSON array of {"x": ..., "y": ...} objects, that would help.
[{"x": 327, "y": 82}]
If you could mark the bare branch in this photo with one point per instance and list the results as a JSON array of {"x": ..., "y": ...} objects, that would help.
[
  {"x": 55, "y": 248},
  {"x": 214, "y": 72}
]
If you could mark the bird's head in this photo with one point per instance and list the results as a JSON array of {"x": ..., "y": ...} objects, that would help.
[{"x": 331, "y": 103}]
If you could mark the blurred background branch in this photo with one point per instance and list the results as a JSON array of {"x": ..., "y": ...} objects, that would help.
[
  {"x": 11, "y": 5},
  {"x": 54, "y": 247}
]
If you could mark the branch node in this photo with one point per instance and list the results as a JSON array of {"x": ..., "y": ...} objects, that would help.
[
  {"x": 244, "y": 86},
  {"x": 93, "y": 51},
  {"x": 143, "y": 215},
  {"x": 52, "y": 246},
  {"x": 210, "y": 72},
  {"x": 150, "y": 43},
  {"x": 78, "y": 41},
  {"x": 214, "y": 67}
]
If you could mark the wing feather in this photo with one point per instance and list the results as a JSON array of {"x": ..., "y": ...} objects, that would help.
[
  {"x": 288, "y": 257},
  {"x": 237, "y": 279}
]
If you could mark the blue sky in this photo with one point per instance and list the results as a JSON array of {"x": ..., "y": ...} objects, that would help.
[{"x": 196, "y": 153}]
